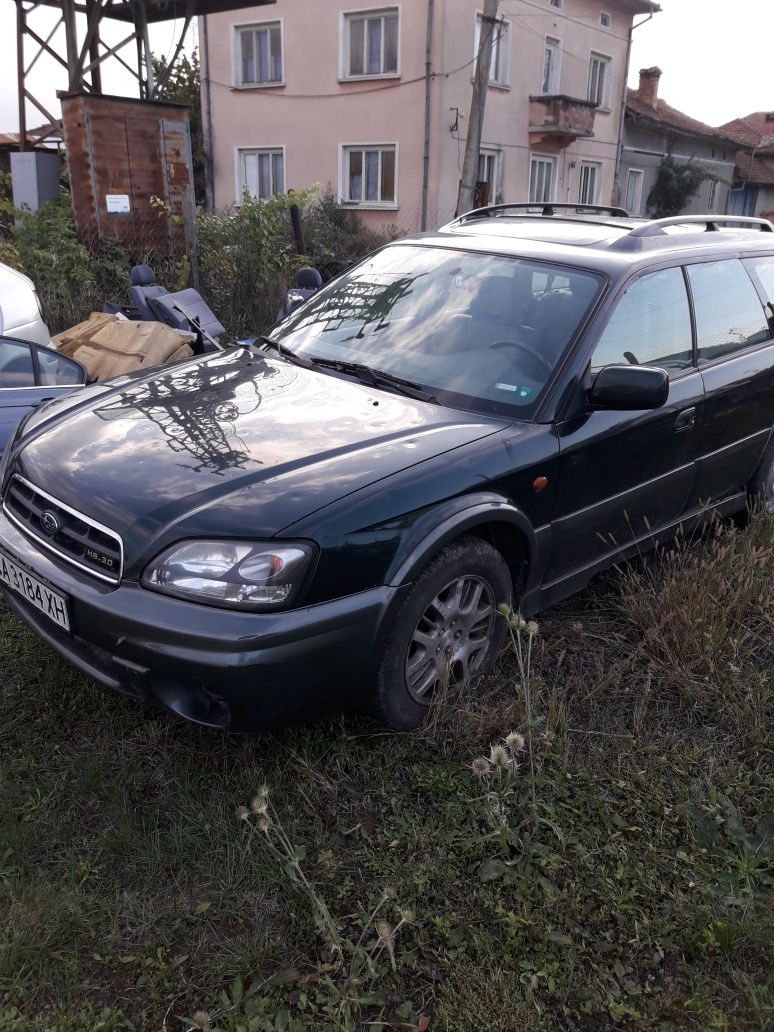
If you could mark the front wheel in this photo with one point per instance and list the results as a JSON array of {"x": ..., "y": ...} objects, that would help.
[{"x": 447, "y": 631}]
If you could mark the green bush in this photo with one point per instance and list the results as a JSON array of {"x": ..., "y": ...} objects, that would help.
[{"x": 247, "y": 257}]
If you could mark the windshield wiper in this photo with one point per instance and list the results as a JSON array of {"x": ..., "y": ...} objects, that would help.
[
  {"x": 283, "y": 352},
  {"x": 377, "y": 378}
]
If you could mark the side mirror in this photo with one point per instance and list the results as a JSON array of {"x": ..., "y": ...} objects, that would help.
[{"x": 629, "y": 388}]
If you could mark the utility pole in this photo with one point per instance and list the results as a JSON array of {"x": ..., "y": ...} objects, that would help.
[{"x": 477, "y": 106}]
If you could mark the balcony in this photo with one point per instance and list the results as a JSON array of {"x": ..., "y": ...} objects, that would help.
[{"x": 560, "y": 119}]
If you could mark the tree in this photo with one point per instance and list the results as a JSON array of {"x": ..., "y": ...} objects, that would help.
[
  {"x": 674, "y": 187},
  {"x": 181, "y": 85}
]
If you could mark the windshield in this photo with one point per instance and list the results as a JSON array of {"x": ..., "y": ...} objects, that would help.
[{"x": 474, "y": 330}]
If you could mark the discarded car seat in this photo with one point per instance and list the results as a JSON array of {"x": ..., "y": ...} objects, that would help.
[
  {"x": 308, "y": 282},
  {"x": 143, "y": 290},
  {"x": 186, "y": 310}
]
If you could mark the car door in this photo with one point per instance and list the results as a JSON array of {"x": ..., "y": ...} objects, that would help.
[
  {"x": 30, "y": 375},
  {"x": 736, "y": 360},
  {"x": 623, "y": 475}
]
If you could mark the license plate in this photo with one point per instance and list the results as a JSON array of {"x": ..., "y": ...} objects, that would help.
[{"x": 34, "y": 590}]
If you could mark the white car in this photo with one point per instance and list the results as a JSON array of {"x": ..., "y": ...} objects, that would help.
[{"x": 20, "y": 314}]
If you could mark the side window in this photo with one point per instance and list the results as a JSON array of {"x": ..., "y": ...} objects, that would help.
[
  {"x": 762, "y": 270},
  {"x": 16, "y": 368},
  {"x": 729, "y": 314},
  {"x": 651, "y": 325},
  {"x": 57, "y": 371}
]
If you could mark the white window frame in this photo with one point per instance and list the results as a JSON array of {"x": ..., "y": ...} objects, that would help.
[
  {"x": 637, "y": 207},
  {"x": 589, "y": 167},
  {"x": 345, "y": 18},
  {"x": 607, "y": 61},
  {"x": 605, "y": 19},
  {"x": 344, "y": 150},
  {"x": 496, "y": 157},
  {"x": 555, "y": 78},
  {"x": 713, "y": 196},
  {"x": 534, "y": 158},
  {"x": 501, "y": 40},
  {"x": 556, "y": 3},
  {"x": 239, "y": 179},
  {"x": 236, "y": 54}
]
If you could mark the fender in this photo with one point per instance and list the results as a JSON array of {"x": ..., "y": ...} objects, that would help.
[{"x": 443, "y": 524}]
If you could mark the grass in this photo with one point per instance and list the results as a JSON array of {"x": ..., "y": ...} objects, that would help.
[{"x": 635, "y": 893}]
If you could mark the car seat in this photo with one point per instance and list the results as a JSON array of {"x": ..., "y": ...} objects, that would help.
[
  {"x": 143, "y": 290},
  {"x": 497, "y": 309},
  {"x": 556, "y": 317},
  {"x": 185, "y": 310}
]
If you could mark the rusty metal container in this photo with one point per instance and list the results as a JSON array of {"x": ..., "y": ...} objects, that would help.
[{"x": 131, "y": 175}]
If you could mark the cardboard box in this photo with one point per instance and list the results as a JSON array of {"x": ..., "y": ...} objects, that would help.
[{"x": 107, "y": 346}]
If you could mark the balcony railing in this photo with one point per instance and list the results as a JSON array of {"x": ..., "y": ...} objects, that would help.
[{"x": 560, "y": 118}]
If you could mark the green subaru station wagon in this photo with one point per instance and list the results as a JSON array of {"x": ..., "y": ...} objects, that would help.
[{"x": 331, "y": 515}]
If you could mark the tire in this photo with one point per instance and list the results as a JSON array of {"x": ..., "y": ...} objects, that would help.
[
  {"x": 445, "y": 607},
  {"x": 762, "y": 484}
]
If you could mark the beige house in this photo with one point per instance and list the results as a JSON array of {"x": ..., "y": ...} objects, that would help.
[{"x": 373, "y": 100}]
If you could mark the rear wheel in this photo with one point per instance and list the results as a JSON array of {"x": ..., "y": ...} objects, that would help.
[
  {"x": 762, "y": 485},
  {"x": 446, "y": 632}
]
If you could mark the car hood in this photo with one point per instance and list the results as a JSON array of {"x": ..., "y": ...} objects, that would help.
[{"x": 240, "y": 444}]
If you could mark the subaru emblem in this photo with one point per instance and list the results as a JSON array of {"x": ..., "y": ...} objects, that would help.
[{"x": 49, "y": 523}]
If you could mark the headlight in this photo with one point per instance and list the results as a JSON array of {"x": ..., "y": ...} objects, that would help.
[{"x": 231, "y": 574}]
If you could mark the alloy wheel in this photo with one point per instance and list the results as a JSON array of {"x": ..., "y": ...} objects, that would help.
[{"x": 451, "y": 637}]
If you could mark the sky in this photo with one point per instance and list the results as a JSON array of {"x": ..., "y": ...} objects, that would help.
[{"x": 715, "y": 56}]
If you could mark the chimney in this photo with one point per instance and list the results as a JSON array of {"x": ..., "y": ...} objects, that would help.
[{"x": 648, "y": 91}]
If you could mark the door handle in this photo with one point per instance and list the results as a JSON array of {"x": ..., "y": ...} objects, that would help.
[{"x": 685, "y": 419}]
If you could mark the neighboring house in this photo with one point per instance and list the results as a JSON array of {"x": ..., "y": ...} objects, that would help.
[
  {"x": 366, "y": 99},
  {"x": 753, "y": 191},
  {"x": 45, "y": 137},
  {"x": 652, "y": 130}
]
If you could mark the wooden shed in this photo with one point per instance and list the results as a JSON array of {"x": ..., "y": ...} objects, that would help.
[{"x": 131, "y": 174}]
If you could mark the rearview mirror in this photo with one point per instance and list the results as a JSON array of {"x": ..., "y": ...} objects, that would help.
[{"x": 629, "y": 387}]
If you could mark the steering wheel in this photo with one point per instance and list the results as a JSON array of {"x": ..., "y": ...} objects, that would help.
[{"x": 535, "y": 356}]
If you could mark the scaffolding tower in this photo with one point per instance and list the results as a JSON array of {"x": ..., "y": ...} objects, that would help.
[{"x": 85, "y": 52}]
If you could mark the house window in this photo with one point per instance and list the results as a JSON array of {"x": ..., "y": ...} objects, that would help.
[
  {"x": 489, "y": 177},
  {"x": 634, "y": 190},
  {"x": 599, "y": 80},
  {"x": 369, "y": 175},
  {"x": 713, "y": 195},
  {"x": 556, "y": 3},
  {"x": 589, "y": 182},
  {"x": 552, "y": 57},
  {"x": 501, "y": 38},
  {"x": 605, "y": 20},
  {"x": 261, "y": 172},
  {"x": 371, "y": 43},
  {"x": 260, "y": 54},
  {"x": 542, "y": 173}
]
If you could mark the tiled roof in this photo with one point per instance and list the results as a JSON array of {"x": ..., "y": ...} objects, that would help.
[
  {"x": 664, "y": 116},
  {"x": 755, "y": 167},
  {"x": 753, "y": 130}
]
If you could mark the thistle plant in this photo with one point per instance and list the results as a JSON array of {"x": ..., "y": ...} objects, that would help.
[
  {"x": 523, "y": 634},
  {"x": 350, "y": 966},
  {"x": 499, "y": 776}
]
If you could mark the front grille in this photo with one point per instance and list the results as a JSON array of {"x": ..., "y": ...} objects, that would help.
[{"x": 66, "y": 532}]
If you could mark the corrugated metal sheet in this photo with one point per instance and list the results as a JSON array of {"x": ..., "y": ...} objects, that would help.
[{"x": 139, "y": 149}]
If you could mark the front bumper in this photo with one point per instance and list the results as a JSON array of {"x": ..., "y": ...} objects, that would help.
[{"x": 218, "y": 668}]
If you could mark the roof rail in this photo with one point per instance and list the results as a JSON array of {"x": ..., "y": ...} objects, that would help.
[
  {"x": 545, "y": 209},
  {"x": 711, "y": 224}
]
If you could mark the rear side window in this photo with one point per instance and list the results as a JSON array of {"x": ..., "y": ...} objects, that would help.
[
  {"x": 56, "y": 370},
  {"x": 762, "y": 270},
  {"x": 16, "y": 368},
  {"x": 729, "y": 313},
  {"x": 651, "y": 325}
]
